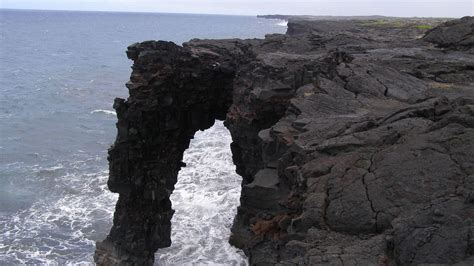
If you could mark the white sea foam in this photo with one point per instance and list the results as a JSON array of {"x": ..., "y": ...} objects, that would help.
[
  {"x": 283, "y": 23},
  {"x": 205, "y": 199},
  {"x": 63, "y": 226},
  {"x": 100, "y": 111}
]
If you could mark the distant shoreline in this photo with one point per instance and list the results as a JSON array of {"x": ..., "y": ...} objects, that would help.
[{"x": 313, "y": 18}]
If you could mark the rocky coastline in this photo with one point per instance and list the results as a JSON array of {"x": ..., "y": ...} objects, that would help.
[{"x": 354, "y": 140}]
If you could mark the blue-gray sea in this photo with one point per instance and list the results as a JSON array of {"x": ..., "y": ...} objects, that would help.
[{"x": 59, "y": 74}]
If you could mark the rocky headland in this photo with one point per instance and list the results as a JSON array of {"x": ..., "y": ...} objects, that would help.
[{"x": 354, "y": 140}]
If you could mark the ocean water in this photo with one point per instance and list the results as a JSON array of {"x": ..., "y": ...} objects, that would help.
[{"x": 59, "y": 74}]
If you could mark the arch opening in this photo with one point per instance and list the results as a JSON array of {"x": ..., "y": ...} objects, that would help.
[
  {"x": 205, "y": 201},
  {"x": 173, "y": 93}
]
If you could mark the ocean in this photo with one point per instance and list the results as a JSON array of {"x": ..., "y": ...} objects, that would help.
[{"x": 59, "y": 74}]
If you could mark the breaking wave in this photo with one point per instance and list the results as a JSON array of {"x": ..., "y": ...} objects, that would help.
[
  {"x": 107, "y": 112},
  {"x": 63, "y": 226},
  {"x": 283, "y": 23}
]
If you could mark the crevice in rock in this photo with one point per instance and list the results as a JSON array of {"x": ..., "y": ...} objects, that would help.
[
  {"x": 364, "y": 182},
  {"x": 385, "y": 92}
]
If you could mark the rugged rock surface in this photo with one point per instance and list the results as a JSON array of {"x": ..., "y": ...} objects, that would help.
[
  {"x": 454, "y": 34},
  {"x": 354, "y": 140}
]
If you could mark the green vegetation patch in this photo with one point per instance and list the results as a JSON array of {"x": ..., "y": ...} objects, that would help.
[{"x": 421, "y": 25}]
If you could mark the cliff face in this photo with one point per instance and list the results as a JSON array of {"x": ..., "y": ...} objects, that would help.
[{"x": 354, "y": 141}]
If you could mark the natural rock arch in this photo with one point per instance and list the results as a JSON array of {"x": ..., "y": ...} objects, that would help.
[
  {"x": 345, "y": 143},
  {"x": 172, "y": 95}
]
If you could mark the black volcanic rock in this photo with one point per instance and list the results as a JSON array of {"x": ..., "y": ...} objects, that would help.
[
  {"x": 354, "y": 140},
  {"x": 453, "y": 34}
]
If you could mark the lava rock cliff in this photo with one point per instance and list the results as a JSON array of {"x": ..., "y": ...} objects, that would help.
[{"x": 354, "y": 140}]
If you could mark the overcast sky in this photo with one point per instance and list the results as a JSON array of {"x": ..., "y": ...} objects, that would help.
[{"x": 436, "y": 8}]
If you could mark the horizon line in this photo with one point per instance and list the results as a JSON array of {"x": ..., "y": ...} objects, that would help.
[
  {"x": 206, "y": 14},
  {"x": 139, "y": 12}
]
